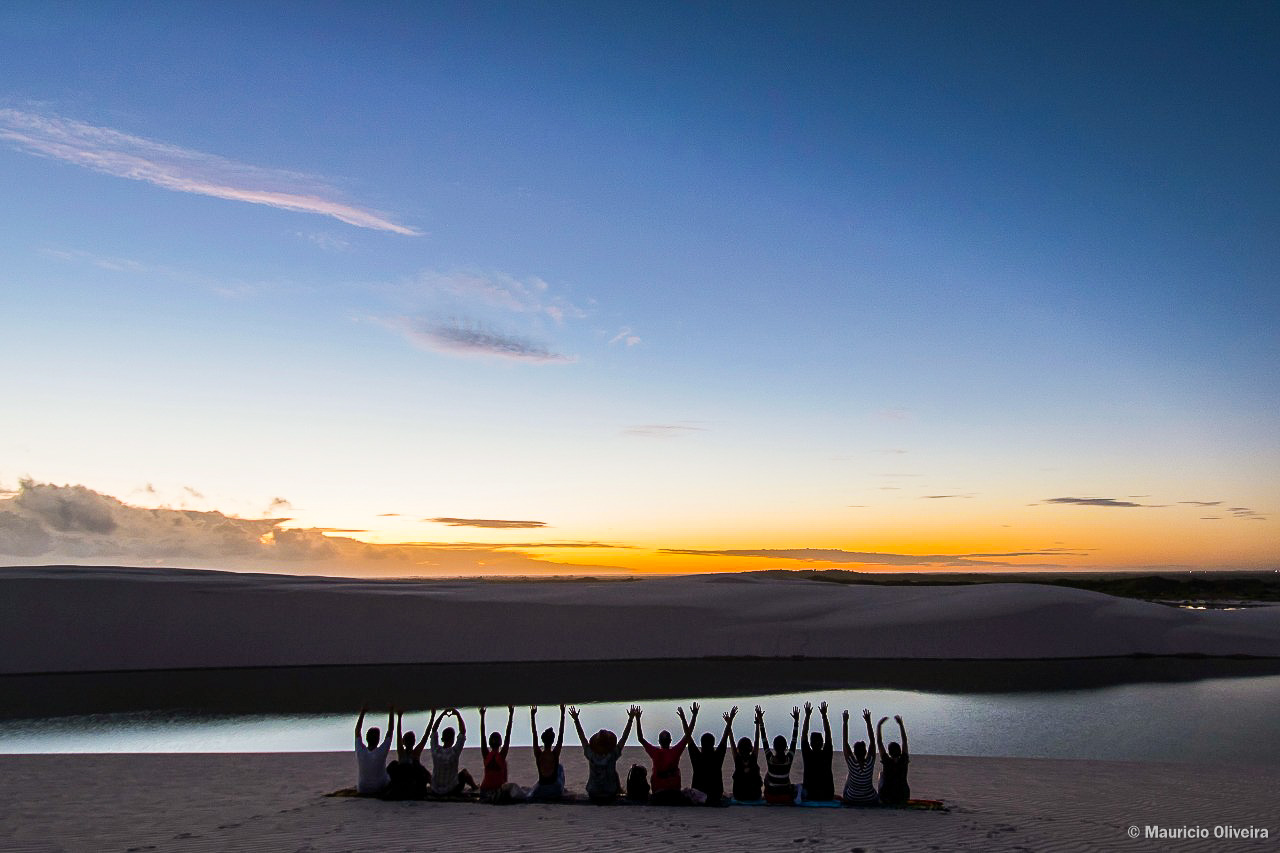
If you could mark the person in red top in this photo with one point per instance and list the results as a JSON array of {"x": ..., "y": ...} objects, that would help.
[
  {"x": 493, "y": 749},
  {"x": 665, "y": 778}
]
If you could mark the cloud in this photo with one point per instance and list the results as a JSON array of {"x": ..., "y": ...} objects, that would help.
[
  {"x": 277, "y": 504},
  {"x": 388, "y": 515},
  {"x": 49, "y": 524},
  {"x": 499, "y": 290},
  {"x": 1244, "y": 512},
  {"x": 662, "y": 430},
  {"x": 490, "y": 523},
  {"x": 943, "y": 497},
  {"x": 111, "y": 152},
  {"x": 1091, "y": 502},
  {"x": 473, "y": 340},
  {"x": 840, "y": 556},
  {"x": 625, "y": 336}
]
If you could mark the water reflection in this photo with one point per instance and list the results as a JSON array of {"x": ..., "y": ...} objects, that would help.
[{"x": 1214, "y": 720}]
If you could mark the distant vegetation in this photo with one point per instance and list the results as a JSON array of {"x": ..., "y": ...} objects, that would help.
[{"x": 1203, "y": 586}]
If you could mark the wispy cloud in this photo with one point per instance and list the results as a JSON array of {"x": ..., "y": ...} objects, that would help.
[
  {"x": 458, "y": 339},
  {"x": 1244, "y": 512},
  {"x": 625, "y": 336},
  {"x": 662, "y": 430},
  {"x": 122, "y": 155},
  {"x": 943, "y": 497},
  {"x": 1111, "y": 502},
  {"x": 488, "y": 523},
  {"x": 1201, "y": 503}
]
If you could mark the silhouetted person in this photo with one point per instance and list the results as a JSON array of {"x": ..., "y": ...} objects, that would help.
[
  {"x": 550, "y": 785},
  {"x": 861, "y": 761},
  {"x": 708, "y": 761},
  {"x": 665, "y": 779},
  {"x": 818, "y": 784},
  {"x": 493, "y": 750},
  {"x": 409, "y": 779},
  {"x": 603, "y": 751},
  {"x": 638, "y": 784},
  {"x": 747, "y": 783},
  {"x": 446, "y": 750},
  {"x": 894, "y": 790},
  {"x": 371, "y": 755},
  {"x": 777, "y": 781}
]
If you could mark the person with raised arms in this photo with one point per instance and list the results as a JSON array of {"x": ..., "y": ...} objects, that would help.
[
  {"x": 446, "y": 751},
  {"x": 861, "y": 761},
  {"x": 708, "y": 761},
  {"x": 603, "y": 750},
  {"x": 747, "y": 783},
  {"x": 550, "y": 785},
  {"x": 818, "y": 785},
  {"x": 409, "y": 779},
  {"x": 493, "y": 752},
  {"x": 665, "y": 777},
  {"x": 778, "y": 789},
  {"x": 894, "y": 790},
  {"x": 371, "y": 755}
]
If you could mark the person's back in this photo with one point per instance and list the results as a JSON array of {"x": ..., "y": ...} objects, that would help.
[
  {"x": 747, "y": 783},
  {"x": 495, "y": 771},
  {"x": 371, "y": 763},
  {"x": 894, "y": 790},
  {"x": 859, "y": 789},
  {"x": 819, "y": 784},
  {"x": 602, "y": 773},
  {"x": 708, "y": 768}
]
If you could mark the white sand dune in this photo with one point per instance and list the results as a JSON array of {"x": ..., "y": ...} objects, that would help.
[
  {"x": 94, "y": 619},
  {"x": 273, "y": 802}
]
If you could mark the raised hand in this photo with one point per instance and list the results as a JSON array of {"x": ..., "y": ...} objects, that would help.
[
  {"x": 561, "y": 707},
  {"x": 845, "y": 715},
  {"x": 822, "y": 708},
  {"x": 795, "y": 713},
  {"x": 511, "y": 709},
  {"x": 897, "y": 718},
  {"x": 533, "y": 710},
  {"x": 759, "y": 713},
  {"x": 883, "y": 720},
  {"x": 694, "y": 707},
  {"x": 866, "y": 715},
  {"x": 636, "y": 711},
  {"x": 808, "y": 708},
  {"x": 573, "y": 712},
  {"x": 482, "y": 710}
]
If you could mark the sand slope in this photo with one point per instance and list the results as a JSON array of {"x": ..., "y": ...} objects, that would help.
[
  {"x": 86, "y": 619},
  {"x": 272, "y": 802}
]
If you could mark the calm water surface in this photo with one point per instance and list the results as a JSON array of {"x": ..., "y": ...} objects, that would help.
[{"x": 1233, "y": 719}]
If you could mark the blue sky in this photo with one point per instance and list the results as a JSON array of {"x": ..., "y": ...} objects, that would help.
[{"x": 680, "y": 276}]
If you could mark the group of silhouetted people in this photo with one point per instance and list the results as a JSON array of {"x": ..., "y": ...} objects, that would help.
[{"x": 406, "y": 777}]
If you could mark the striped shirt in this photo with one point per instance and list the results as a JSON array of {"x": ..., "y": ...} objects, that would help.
[{"x": 858, "y": 788}]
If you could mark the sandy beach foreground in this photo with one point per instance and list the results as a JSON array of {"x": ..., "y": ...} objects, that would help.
[{"x": 275, "y": 802}]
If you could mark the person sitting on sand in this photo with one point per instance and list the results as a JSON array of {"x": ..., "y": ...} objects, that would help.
[
  {"x": 603, "y": 751},
  {"x": 858, "y": 788},
  {"x": 371, "y": 755},
  {"x": 409, "y": 779},
  {"x": 493, "y": 751},
  {"x": 777, "y": 781},
  {"x": 894, "y": 790},
  {"x": 550, "y": 785},
  {"x": 666, "y": 760},
  {"x": 446, "y": 779},
  {"x": 818, "y": 784},
  {"x": 638, "y": 784},
  {"x": 746, "y": 764},
  {"x": 708, "y": 762}
]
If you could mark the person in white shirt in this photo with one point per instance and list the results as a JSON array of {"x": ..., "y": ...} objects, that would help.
[{"x": 371, "y": 755}]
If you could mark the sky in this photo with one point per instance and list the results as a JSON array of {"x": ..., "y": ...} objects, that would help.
[{"x": 404, "y": 289}]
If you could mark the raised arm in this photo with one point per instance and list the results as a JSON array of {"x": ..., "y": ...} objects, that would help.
[
  {"x": 795, "y": 728},
  {"x": 759, "y": 728},
  {"x": 871, "y": 736},
  {"x": 533, "y": 727},
  {"x": 808, "y": 712},
  {"x": 484, "y": 736},
  {"x": 848, "y": 753},
  {"x": 903, "y": 730},
  {"x": 364, "y": 709},
  {"x": 728, "y": 726},
  {"x": 577, "y": 724},
  {"x": 506, "y": 739},
  {"x": 633, "y": 716},
  {"x": 826, "y": 723},
  {"x": 400, "y": 753},
  {"x": 687, "y": 725},
  {"x": 880, "y": 738},
  {"x": 462, "y": 726},
  {"x": 422, "y": 741},
  {"x": 391, "y": 721},
  {"x": 560, "y": 736}
]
